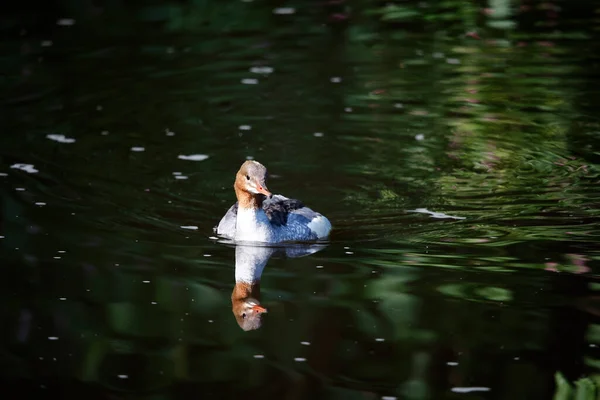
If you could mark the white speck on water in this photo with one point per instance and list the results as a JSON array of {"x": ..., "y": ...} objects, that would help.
[
  {"x": 193, "y": 157},
  {"x": 3, "y": 174},
  {"x": 438, "y": 55},
  {"x": 137, "y": 148},
  {"x": 46, "y": 43},
  {"x": 191, "y": 227},
  {"x": 99, "y": 108},
  {"x": 249, "y": 157},
  {"x": 284, "y": 10},
  {"x": 244, "y": 127},
  {"x": 1, "y": 237},
  {"x": 459, "y": 389},
  {"x": 419, "y": 137},
  {"x": 52, "y": 337},
  {"x": 210, "y": 321},
  {"x": 453, "y": 61},
  {"x": 123, "y": 376},
  {"x": 39, "y": 203},
  {"x": 517, "y": 358},
  {"x": 335, "y": 79},
  {"x": 299, "y": 359},
  {"x": 25, "y": 167},
  {"x": 104, "y": 133},
  {"x": 145, "y": 281},
  {"x": 305, "y": 343},
  {"x": 319, "y": 266},
  {"x": 261, "y": 70},
  {"x": 65, "y": 22},
  {"x": 20, "y": 189},
  {"x": 176, "y": 173},
  {"x": 389, "y": 398},
  {"x": 452, "y": 363},
  {"x": 399, "y": 105},
  {"x": 379, "y": 339},
  {"x": 349, "y": 252},
  {"x": 213, "y": 237},
  {"x": 207, "y": 255},
  {"x": 258, "y": 356},
  {"x": 62, "y": 298},
  {"x": 318, "y": 134},
  {"x": 346, "y": 248},
  {"x": 180, "y": 177},
  {"x": 249, "y": 81},
  {"x": 153, "y": 302},
  {"x": 348, "y": 109},
  {"x": 169, "y": 132},
  {"x": 61, "y": 251}
]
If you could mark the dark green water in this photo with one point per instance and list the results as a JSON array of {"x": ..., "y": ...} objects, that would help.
[{"x": 364, "y": 111}]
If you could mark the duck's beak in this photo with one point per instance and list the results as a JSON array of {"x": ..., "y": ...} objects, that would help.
[
  {"x": 257, "y": 308},
  {"x": 262, "y": 188}
]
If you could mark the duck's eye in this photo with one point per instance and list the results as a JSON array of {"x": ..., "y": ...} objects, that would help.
[
  {"x": 247, "y": 177},
  {"x": 244, "y": 315}
]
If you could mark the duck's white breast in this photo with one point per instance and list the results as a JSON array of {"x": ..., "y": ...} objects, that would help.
[{"x": 252, "y": 225}]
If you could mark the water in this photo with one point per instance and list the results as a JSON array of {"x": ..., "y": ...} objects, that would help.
[{"x": 454, "y": 148}]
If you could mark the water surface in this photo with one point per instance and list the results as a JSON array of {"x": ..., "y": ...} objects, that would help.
[{"x": 455, "y": 148}]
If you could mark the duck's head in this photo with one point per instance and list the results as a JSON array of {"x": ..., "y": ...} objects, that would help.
[
  {"x": 252, "y": 178},
  {"x": 248, "y": 313}
]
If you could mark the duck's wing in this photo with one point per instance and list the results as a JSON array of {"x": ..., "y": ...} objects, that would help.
[
  {"x": 294, "y": 213},
  {"x": 278, "y": 208},
  {"x": 226, "y": 226}
]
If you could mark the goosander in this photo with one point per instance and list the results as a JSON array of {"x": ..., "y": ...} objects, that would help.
[
  {"x": 250, "y": 262},
  {"x": 259, "y": 216}
]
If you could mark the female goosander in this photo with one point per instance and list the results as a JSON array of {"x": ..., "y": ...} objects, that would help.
[{"x": 259, "y": 216}]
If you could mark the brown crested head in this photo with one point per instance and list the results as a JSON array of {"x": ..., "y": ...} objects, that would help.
[{"x": 250, "y": 182}]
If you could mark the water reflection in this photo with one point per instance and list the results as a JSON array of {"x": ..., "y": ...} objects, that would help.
[{"x": 250, "y": 260}]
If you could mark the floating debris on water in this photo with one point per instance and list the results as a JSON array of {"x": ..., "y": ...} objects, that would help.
[
  {"x": 261, "y": 70},
  {"x": 193, "y": 157},
  {"x": 284, "y": 10},
  {"x": 30, "y": 168},
  {"x": 65, "y": 22},
  {"x": 470, "y": 389}
]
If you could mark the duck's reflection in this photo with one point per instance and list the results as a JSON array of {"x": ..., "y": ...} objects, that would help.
[{"x": 249, "y": 264}]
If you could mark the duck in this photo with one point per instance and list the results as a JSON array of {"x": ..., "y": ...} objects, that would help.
[
  {"x": 250, "y": 262},
  {"x": 260, "y": 216}
]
